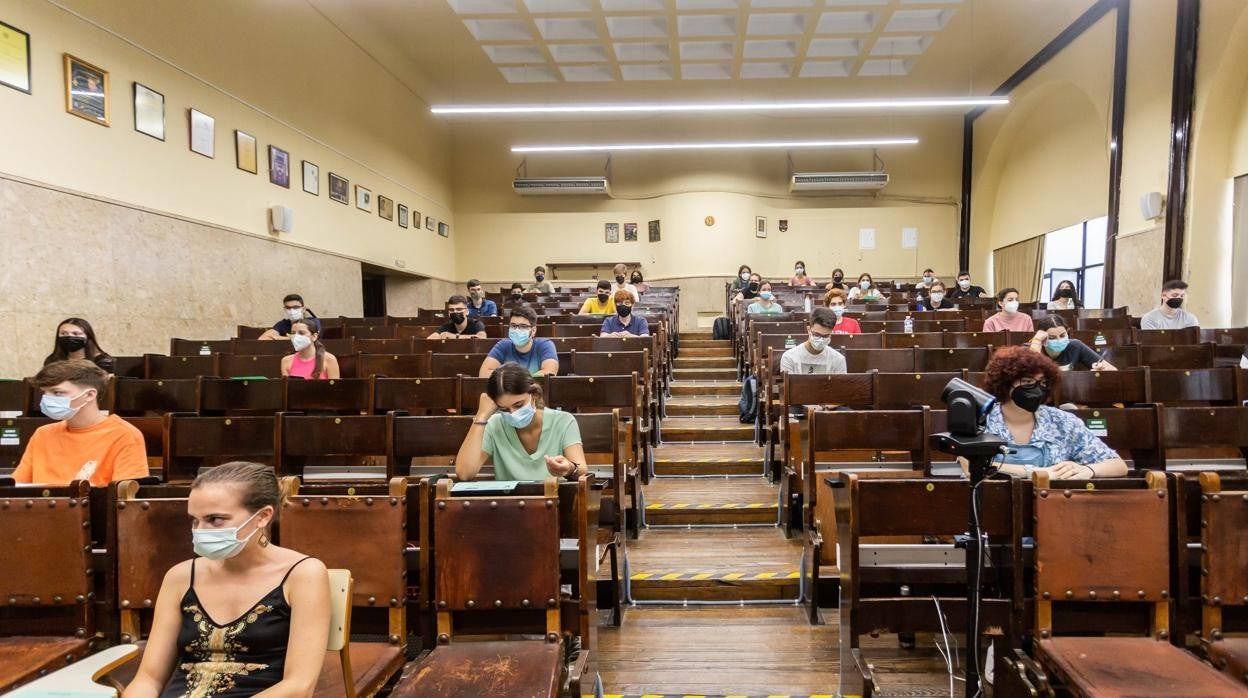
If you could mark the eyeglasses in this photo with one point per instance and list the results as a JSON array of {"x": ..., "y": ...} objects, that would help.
[
  {"x": 820, "y": 335},
  {"x": 294, "y": 307},
  {"x": 520, "y": 327},
  {"x": 1042, "y": 384}
]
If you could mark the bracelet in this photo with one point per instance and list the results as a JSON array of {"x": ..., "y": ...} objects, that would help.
[
  {"x": 481, "y": 423},
  {"x": 1090, "y": 470}
]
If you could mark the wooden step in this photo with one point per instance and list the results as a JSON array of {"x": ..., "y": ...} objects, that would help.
[
  {"x": 712, "y": 429},
  {"x": 707, "y": 374},
  {"x": 746, "y": 564},
  {"x": 704, "y": 343},
  {"x": 702, "y": 405},
  {"x": 704, "y": 362},
  {"x": 710, "y": 502},
  {"x": 706, "y": 388},
  {"x": 725, "y": 350},
  {"x": 684, "y": 459},
  {"x": 701, "y": 333}
]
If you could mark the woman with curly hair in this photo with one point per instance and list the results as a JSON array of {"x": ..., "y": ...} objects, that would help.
[{"x": 1040, "y": 436}]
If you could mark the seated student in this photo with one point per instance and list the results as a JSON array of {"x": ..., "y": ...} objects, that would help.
[
  {"x": 1054, "y": 341},
  {"x": 766, "y": 303},
  {"x": 84, "y": 443},
  {"x": 835, "y": 300},
  {"x": 624, "y": 323},
  {"x": 838, "y": 280},
  {"x": 522, "y": 346},
  {"x": 1009, "y": 318},
  {"x": 639, "y": 282},
  {"x": 935, "y": 299},
  {"x": 540, "y": 284},
  {"x": 925, "y": 283},
  {"x": 1064, "y": 297},
  {"x": 602, "y": 303},
  {"x": 1170, "y": 315},
  {"x": 814, "y": 355},
  {"x": 1038, "y": 435},
  {"x": 478, "y": 304},
  {"x": 799, "y": 277},
  {"x": 76, "y": 340},
  {"x": 210, "y": 635},
  {"x": 751, "y": 289},
  {"x": 621, "y": 282},
  {"x": 293, "y": 308},
  {"x": 866, "y": 289},
  {"x": 458, "y": 324},
  {"x": 965, "y": 288},
  {"x": 517, "y": 293},
  {"x": 310, "y": 360},
  {"x": 525, "y": 439},
  {"x": 743, "y": 279}
]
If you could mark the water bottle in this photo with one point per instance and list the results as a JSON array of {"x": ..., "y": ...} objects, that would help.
[
  {"x": 909, "y": 326},
  {"x": 806, "y": 303}
]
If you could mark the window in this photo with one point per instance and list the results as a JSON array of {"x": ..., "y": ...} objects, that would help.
[{"x": 1076, "y": 254}]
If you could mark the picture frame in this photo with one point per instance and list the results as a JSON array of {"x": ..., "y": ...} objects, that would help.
[
  {"x": 760, "y": 226},
  {"x": 86, "y": 91},
  {"x": 611, "y": 231},
  {"x": 655, "y": 233},
  {"x": 203, "y": 133},
  {"x": 245, "y": 152},
  {"x": 416, "y": 219},
  {"x": 385, "y": 207},
  {"x": 279, "y": 166},
  {"x": 363, "y": 198},
  {"x": 443, "y": 229},
  {"x": 431, "y": 223},
  {"x": 402, "y": 216},
  {"x": 15, "y": 58},
  {"x": 311, "y": 178},
  {"x": 149, "y": 112},
  {"x": 630, "y": 232},
  {"x": 339, "y": 189}
]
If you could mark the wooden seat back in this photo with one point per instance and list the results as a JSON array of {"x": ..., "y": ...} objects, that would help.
[
  {"x": 1194, "y": 386},
  {"x": 1223, "y": 561},
  {"x": 372, "y": 331},
  {"x": 240, "y": 396},
  {"x": 199, "y": 347},
  {"x": 1104, "y": 388},
  {"x": 1177, "y": 356},
  {"x": 149, "y": 532},
  {"x": 925, "y": 340},
  {"x": 467, "y": 345},
  {"x": 1134, "y": 432},
  {"x": 395, "y": 365},
  {"x": 336, "y": 395},
  {"x": 400, "y": 345},
  {"x": 882, "y": 360},
  {"x": 431, "y": 396},
  {"x": 240, "y": 365},
  {"x": 424, "y": 444},
  {"x": 140, "y": 396},
  {"x": 1222, "y": 430},
  {"x": 1098, "y": 339},
  {"x": 968, "y": 358},
  {"x": 1119, "y": 322},
  {"x": 193, "y": 442},
  {"x": 161, "y": 366},
  {"x": 15, "y": 433},
  {"x": 344, "y": 443},
  {"x": 451, "y": 365},
  {"x": 1187, "y": 335},
  {"x": 898, "y": 391},
  {"x": 939, "y": 324},
  {"x": 610, "y": 363}
]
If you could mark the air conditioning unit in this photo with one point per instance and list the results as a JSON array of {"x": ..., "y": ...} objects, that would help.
[
  {"x": 562, "y": 186},
  {"x": 836, "y": 181}
]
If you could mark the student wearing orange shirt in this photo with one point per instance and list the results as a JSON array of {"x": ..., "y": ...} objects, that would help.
[{"x": 84, "y": 444}]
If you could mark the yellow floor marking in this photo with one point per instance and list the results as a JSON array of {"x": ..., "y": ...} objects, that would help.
[
  {"x": 670, "y": 576},
  {"x": 643, "y": 575},
  {"x": 765, "y": 575},
  {"x": 700, "y": 576},
  {"x": 734, "y": 575}
]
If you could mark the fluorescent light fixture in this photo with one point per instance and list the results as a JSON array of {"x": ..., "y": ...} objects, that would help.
[
  {"x": 827, "y": 105},
  {"x": 739, "y": 145}
]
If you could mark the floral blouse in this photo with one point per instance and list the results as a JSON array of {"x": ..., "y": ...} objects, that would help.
[{"x": 1061, "y": 435}]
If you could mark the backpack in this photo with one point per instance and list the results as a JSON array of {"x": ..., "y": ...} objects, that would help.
[
  {"x": 721, "y": 329},
  {"x": 748, "y": 406}
]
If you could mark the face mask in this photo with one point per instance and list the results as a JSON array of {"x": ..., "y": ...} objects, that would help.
[
  {"x": 294, "y": 313},
  {"x": 624, "y": 310},
  {"x": 937, "y": 297},
  {"x": 1029, "y": 398},
  {"x": 518, "y": 336},
  {"x": 635, "y": 280},
  {"x": 745, "y": 276},
  {"x": 964, "y": 284},
  {"x": 1011, "y": 307},
  {"x": 300, "y": 342},
  {"x": 1065, "y": 293},
  {"x": 540, "y": 277},
  {"x": 58, "y": 406},
  {"x": 864, "y": 285},
  {"x": 1174, "y": 302},
  {"x": 71, "y": 343},
  {"x": 839, "y": 310},
  {"x": 798, "y": 271},
  {"x": 837, "y": 278},
  {"x": 457, "y": 318},
  {"x": 927, "y": 279},
  {"x": 522, "y": 417},
  {"x": 478, "y": 295},
  {"x": 619, "y": 279},
  {"x": 818, "y": 343},
  {"x": 1057, "y": 346},
  {"x": 765, "y": 295},
  {"x": 754, "y": 287},
  {"x": 602, "y": 297},
  {"x": 220, "y": 543},
  {"x": 517, "y": 296}
]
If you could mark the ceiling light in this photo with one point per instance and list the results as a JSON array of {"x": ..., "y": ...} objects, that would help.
[
  {"x": 827, "y": 105},
  {"x": 739, "y": 145}
]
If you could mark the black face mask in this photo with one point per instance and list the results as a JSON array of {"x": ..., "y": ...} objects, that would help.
[
  {"x": 457, "y": 317},
  {"x": 1029, "y": 397},
  {"x": 517, "y": 296},
  {"x": 635, "y": 280},
  {"x": 602, "y": 297},
  {"x": 624, "y": 310},
  {"x": 71, "y": 343},
  {"x": 540, "y": 277},
  {"x": 619, "y": 278},
  {"x": 1065, "y": 293},
  {"x": 753, "y": 287},
  {"x": 837, "y": 278},
  {"x": 1174, "y": 302}
]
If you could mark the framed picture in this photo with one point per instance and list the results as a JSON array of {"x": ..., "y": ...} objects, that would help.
[
  {"x": 339, "y": 188},
  {"x": 630, "y": 232},
  {"x": 279, "y": 166},
  {"x": 385, "y": 207},
  {"x": 149, "y": 112},
  {"x": 416, "y": 219},
  {"x": 245, "y": 152},
  {"x": 363, "y": 198},
  {"x": 311, "y": 178},
  {"x": 203, "y": 134},
  {"x": 402, "y": 216},
  {"x": 431, "y": 223},
  {"x": 783, "y": 225},
  {"x": 760, "y": 227},
  {"x": 86, "y": 90},
  {"x": 612, "y": 231},
  {"x": 444, "y": 230},
  {"x": 654, "y": 231},
  {"x": 14, "y": 58}
]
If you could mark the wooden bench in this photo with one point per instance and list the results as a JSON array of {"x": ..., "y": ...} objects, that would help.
[
  {"x": 350, "y": 446},
  {"x": 1104, "y": 388},
  {"x": 335, "y": 395},
  {"x": 245, "y": 396},
  {"x": 1224, "y": 578},
  {"x": 431, "y": 396},
  {"x": 1193, "y": 387},
  {"x": 193, "y": 442},
  {"x": 241, "y": 365},
  {"x": 417, "y": 365},
  {"x": 160, "y": 366}
]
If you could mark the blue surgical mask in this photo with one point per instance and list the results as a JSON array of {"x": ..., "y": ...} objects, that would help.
[
  {"x": 522, "y": 417},
  {"x": 519, "y": 337},
  {"x": 58, "y": 406},
  {"x": 839, "y": 310},
  {"x": 1057, "y": 346},
  {"x": 765, "y": 295},
  {"x": 864, "y": 285},
  {"x": 818, "y": 343},
  {"x": 220, "y": 543}
]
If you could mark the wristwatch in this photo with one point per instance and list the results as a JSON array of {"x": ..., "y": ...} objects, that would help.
[{"x": 574, "y": 475}]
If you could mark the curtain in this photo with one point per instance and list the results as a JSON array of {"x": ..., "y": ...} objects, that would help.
[{"x": 1019, "y": 266}]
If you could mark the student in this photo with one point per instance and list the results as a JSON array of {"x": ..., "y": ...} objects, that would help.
[
  {"x": 272, "y": 646},
  {"x": 838, "y": 280},
  {"x": 766, "y": 303},
  {"x": 1040, "y": 436},
  {"x": 525, "y": 439},
  {"x": 310, "y": 360},
  {"x": 624, "y": 323},
  {"x": 835, "y": 300},
  {"x": 76, "y": 340},
  {"x": 478, "y": 304},
  {"x": 925, "y": 283},
  {"x": 1009, "y": 318},
  {"x": 743, "y": 279},
  {"x": 965, "y": 288},
  {"x": 458, "y": 324},
  {"x": 1170, "y": 315},
  {"x": 602, "y": 303},
  {"x": 84, "y": 443},
  {"x": 1054, "y": 341},
  {"x": 935, "y": 299},
  {"x": 865, "y": 290},
  {"x": 814, "y": 355},
  {"x": 1064, "y": 297},
  {"x": 522, "y": 346},
  {"x": 751, "y": 290},
  {"x": 540, "y": 284},
  {"x": 639, "y": 282},
  {"x": 621, "y": 283},
  {"x": 293, "y": 308},
  {"x": 799, "y": 275}
]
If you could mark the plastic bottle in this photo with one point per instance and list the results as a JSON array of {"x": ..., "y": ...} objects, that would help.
[{"x": 909, "y": 326}]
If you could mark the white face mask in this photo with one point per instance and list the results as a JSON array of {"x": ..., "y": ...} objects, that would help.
[
  {"x": 964, "y": 284},
  {"x": 220, "y": 543},
  {"x": 300, "y": 341},
  {"x": 799, "y": 271},
  {"x": 1011, "y": 307},
  {"x": 937, "y": 297},
  {"x": 745, "y": 276},
  {"x": 818, "y": 343},
  {"x": 294, "y": 313}
]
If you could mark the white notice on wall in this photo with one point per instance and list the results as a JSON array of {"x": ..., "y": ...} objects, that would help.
[
  {"x": 909, "y": 238},
  {"x": 866, "y": 238}
]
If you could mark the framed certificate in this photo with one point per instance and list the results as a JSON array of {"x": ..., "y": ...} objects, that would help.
[{"x": 14, "y": 58}]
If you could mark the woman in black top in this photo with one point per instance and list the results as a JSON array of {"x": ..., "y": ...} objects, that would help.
[
  {"x": 1052, "y": 340},
  {"x": 1064, "y": 297},
  {"x": 936, "y": 299},
  {"x": 76, "y": 340}
]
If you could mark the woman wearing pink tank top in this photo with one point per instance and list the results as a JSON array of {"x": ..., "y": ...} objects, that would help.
[{"x": 310, "y": 360}]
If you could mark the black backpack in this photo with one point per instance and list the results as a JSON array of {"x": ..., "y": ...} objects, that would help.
[
  {"x": 721, "y": 329},
  {"x": 748, "y": 406}
]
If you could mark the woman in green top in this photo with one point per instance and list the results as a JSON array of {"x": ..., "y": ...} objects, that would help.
[
  {"x": 525, "y": 439},
  {"x": 766, "y": 303}
]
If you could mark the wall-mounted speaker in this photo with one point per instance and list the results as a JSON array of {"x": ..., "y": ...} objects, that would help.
[
  {"x": 281, "y": 219},
  {"x": 1151, "y": 205}
]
